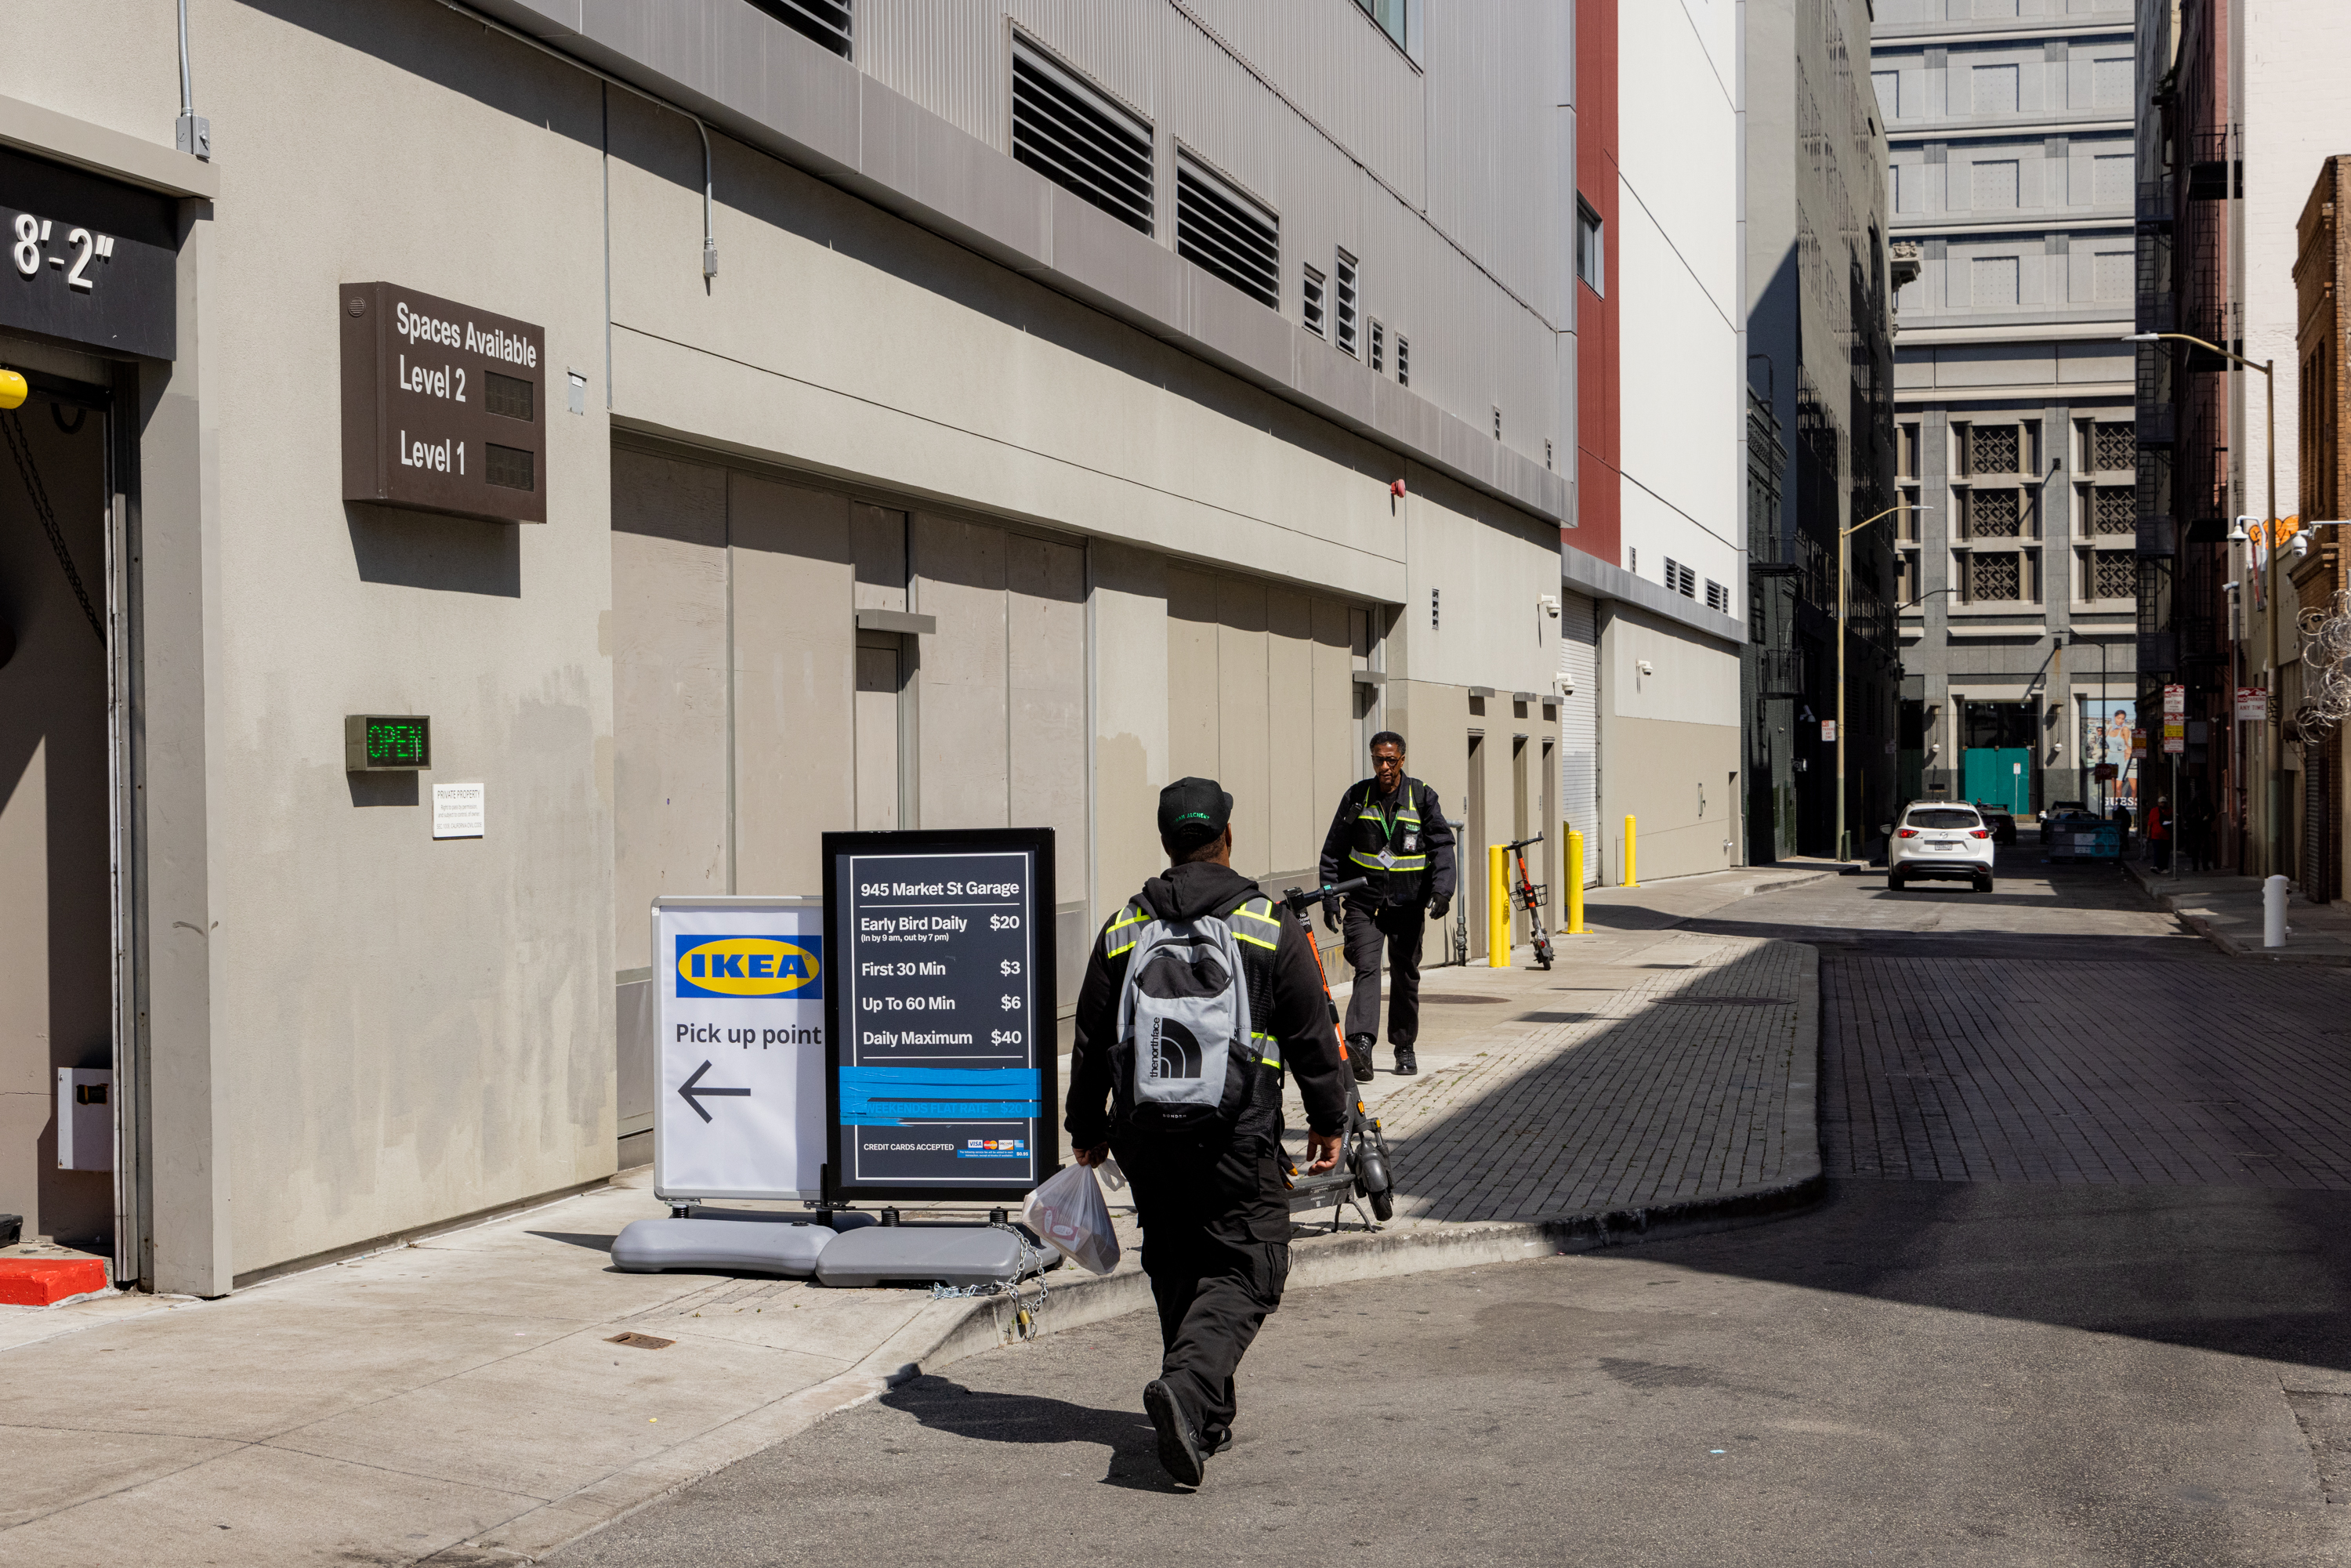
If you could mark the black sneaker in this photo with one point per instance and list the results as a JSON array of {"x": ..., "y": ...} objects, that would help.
[
  {"x": 1406, "y": 1063},
  {"x": 1216, "y": 1440},
  {"x": 1179, "y": 1445},
  {"x": 1359, "y": 1057}
]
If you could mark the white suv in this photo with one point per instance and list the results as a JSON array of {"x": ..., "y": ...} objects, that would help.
[{"x": 1939, "y": 839}]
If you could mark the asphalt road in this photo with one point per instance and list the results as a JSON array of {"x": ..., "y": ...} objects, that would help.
[{"x": 2092, "y": 1349}]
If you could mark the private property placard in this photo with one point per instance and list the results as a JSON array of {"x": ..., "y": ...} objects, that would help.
[{"x": 738, "y": 988}]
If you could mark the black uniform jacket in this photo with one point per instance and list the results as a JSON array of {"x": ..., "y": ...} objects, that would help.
[
  {"x": 1301, "y": 1024},
  {"x": 1430, "y": 839}
]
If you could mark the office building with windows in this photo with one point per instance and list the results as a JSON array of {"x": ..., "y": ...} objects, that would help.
[
  {"x": 1819, "y": 433},
  {"x": 2011, "y": 171}
]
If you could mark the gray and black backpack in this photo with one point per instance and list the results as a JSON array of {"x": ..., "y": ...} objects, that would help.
[{"x": 1192, "y": 1051}]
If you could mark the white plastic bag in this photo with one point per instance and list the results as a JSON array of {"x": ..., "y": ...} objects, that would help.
[{"x": 1069, "y": 1212}]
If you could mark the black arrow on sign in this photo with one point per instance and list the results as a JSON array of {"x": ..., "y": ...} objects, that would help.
[{"x": 692, "y": 1096}]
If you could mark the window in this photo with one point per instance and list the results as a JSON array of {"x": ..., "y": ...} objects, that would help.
[
  {"x": 2113, "y": 574},
  {"x": 2000, "y": 449},
  {"x": 2110, "y": 275},
  {"x": 1632, "y": 559},
  {"x": 1310, "y": 300},
  {"x": 1403, "y": 360},
  {"x": 822, "y": 22},
  {"x": 2110, "y": 82},
  {"x": 1993, "y": 185},
  {"x": 1392, "y": 17},
  {"x": 1716, "y": 596},
  {"x": 1994, "y": 515},
  {"x": 1889, "y": 92},
  {"x": 2110, "y": 180},
  {"x": 1943, "y": 819},
  {"x": 1498, "y": 424},
  {"x": 1992, "y": 89},
  {"x": 1993, "y": 280},
  {"x": 1591, "y": 252},
  {"x": 1905, "y": 451},
  {"x": 1546, "y": 453},
  {"x": 1909, "y": 183},
  {"x": 1227, "y": 234},
  {"x": 1344, "y": 276},
  {"x": 1379, "y": 346},
  {"x": 1079, "y": 138},
  {"x": 2113, "y": 446},
  {"x": 1996, "y": 576},
  {"x": 1681, "y": 578},
  {"x": 2114, "y": 509}
]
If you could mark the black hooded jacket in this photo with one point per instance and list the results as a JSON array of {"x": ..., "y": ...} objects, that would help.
[{"x": 1301, "y": 1025}]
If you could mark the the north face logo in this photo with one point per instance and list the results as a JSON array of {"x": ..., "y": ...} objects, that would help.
[{"x": 1173, "y": 1052}]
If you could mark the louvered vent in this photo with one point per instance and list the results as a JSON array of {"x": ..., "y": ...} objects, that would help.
[
  {"x": 1227, "y": 234},
  {"x": 1080, "y": 140},
  {"x": 823, "y": 22}
]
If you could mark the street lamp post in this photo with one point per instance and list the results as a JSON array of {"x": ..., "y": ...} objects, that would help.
[
  {"x": 1845, "y": 549},
  {"x": 2274, "y": 826}
]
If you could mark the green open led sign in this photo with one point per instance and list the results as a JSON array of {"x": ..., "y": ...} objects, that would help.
[{"x": 386, "y": 743}]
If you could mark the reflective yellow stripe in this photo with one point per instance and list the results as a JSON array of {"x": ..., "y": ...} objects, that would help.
[
  {"x": 1246, "y": 911},
  {"x": 1396, "y": 863},
  {"x": 1133, "y": 916}
]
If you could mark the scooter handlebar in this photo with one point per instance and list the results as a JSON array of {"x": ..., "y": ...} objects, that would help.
[
  {"x": 1299, "y": 901},
  {"x": 1522, "y": 843}
]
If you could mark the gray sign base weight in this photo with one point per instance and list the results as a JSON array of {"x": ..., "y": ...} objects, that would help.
[{"x": 957, "y": 1255}]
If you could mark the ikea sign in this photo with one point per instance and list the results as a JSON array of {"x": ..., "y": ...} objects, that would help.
[{"x": 751, "y": 967}]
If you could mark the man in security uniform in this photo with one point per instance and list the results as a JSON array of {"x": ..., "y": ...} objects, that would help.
[
  {"x": 1210, "y": 1196},
  {"x": 1390, "y": 831}
]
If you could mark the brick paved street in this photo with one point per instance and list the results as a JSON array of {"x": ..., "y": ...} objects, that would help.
[{"x": 1643, "y": 1070}]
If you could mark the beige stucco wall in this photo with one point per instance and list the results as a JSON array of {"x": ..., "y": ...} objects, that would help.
[{"x": 1668, "y": 748}]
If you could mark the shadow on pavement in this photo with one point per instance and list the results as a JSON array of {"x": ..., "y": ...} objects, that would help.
[{"x": 945, "y": 1406}]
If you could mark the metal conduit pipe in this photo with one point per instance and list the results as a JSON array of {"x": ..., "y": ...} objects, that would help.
[
  {"x": 491, "y": 24},
  {"x": 191, "y": 133}
]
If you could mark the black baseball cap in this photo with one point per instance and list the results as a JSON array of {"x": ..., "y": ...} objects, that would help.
[{"x": 1191, "y": 812}]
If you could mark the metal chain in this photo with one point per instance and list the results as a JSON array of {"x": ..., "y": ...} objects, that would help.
[{"x": 21, "y": 449}]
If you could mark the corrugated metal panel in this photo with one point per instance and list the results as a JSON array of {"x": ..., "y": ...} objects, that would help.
[
  {"x": 1481, "y": 122},
  {"x": 1342, "y": 72},
  {"x": 1579, "y": 724}
]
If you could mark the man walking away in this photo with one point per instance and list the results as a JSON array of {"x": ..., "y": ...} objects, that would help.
[
  {"x": 1198, "y": 994},
  {"x": 1392, "y": 832}
]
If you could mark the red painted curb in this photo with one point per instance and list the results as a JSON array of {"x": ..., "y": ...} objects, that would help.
[{"x": 44, "y": 1282}]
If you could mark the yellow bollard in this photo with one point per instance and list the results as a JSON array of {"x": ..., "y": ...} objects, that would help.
[
  {"x": 1574, "y": 883},
  {"x": 1631, "y": 878},
  {"x": 1497, "y": 908}
]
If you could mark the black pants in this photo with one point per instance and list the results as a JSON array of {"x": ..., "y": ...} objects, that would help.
[
  {"x": 1216, "y": 1246},
  {"x": 1399, "y": 932},
  {"x": 2162, "y": 849}
]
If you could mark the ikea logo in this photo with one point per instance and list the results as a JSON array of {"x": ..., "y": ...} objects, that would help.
[{"x": 751, "y": 967}]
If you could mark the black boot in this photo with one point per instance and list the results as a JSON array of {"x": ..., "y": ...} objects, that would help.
[
  {"x": 1406, "y": 1065},
  {"x": 1179, "y": 1444},
  {"x": 1359, "y": 1056}
]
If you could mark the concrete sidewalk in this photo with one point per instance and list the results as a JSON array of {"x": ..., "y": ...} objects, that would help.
[
  {"x": 2225, "y": 909},
  {"x": 461, "y": 1400}
]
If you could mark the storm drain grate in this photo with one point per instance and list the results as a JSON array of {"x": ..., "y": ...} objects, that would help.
[
  {"x": 1449, "y": 1001},
  {"x": 1723, "y": 1002},
  {"x": 641, "y": 1341}
]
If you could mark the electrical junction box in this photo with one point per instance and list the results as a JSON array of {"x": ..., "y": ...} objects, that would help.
[
  {"x": 387, "y": 742},
  {"x": 85, "y": 1118}
]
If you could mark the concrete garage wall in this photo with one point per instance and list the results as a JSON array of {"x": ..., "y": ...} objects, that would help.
[
  {"x": 1667, "y": 738},
  {"x": 407, "y": 1028}
]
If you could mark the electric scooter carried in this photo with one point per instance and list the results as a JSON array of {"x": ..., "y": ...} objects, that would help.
[
  {"x": 1526, "y": 895},
  {"x": 1362, "y": 1168}
]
